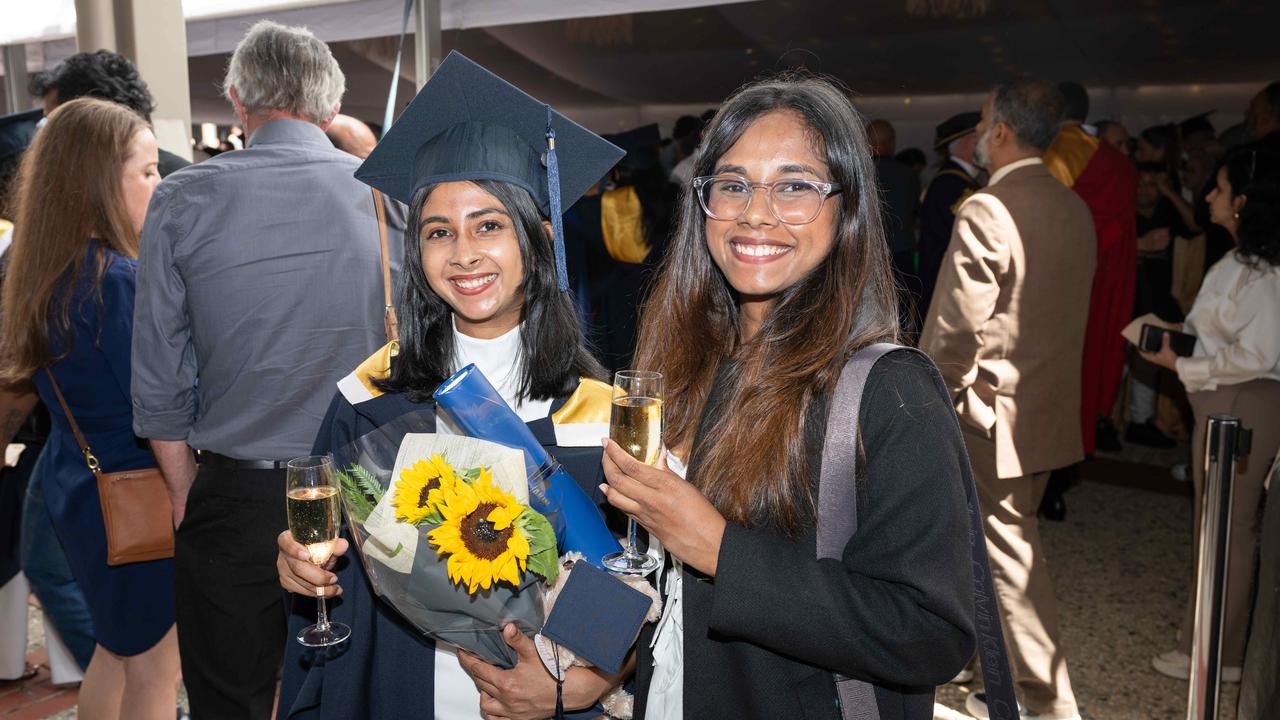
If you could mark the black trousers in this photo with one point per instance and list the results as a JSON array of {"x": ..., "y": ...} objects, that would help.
[{"x": 230, "y": 608}]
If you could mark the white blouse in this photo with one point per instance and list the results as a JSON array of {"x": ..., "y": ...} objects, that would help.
[
  {"x": 1236, "y": 321},
  {"x": 456, "y": 697},
  {"x": 665, "y": 700}
]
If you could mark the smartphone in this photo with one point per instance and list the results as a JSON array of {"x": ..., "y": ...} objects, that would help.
[{"x": 1150, "y": 341}]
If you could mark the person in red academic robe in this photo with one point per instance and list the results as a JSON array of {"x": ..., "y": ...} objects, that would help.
[{"x": 1107, "y": 182}]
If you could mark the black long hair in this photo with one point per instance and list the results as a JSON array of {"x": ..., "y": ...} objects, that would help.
[
  {"x": 553, "y": 352},
  {"x": 1255, "y": 174}
]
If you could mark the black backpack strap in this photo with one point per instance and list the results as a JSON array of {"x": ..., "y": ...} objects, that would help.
[{"x": 838, "y": 521}]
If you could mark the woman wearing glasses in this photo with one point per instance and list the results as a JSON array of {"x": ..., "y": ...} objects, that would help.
[
  {"x": 1235, "y": 370},
  {"x": 777, "y": 273}
]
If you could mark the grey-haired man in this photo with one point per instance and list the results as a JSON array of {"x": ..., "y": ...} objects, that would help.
[{"x": 258, "y": 288}]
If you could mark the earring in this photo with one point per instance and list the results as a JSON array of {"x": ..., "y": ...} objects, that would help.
[{"x": 1235, "y": 215}]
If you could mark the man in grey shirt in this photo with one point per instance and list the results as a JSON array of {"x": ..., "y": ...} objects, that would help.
[{"x": 259, "y": 286}]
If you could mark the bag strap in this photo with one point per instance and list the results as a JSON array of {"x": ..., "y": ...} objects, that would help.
[
  {"x": 390, "y": 325},
  {"x": 89, "y": 459},
  {"x": 838, "y": 521}
]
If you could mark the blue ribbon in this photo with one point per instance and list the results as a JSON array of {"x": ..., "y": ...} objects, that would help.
[
  {"x": 479, "y": 411},
  {"x": 553, "y": 193}
]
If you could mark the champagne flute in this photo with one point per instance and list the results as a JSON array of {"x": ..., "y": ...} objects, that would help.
[
  {"x": 635, "y": 424},
  {"x": 311, "y": 497}
]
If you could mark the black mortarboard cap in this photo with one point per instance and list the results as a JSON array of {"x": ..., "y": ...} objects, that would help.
[
  {"x": 468, "y": 124},
  {"x": 954, "y": 128},
  {"x": 1197, "y": 123},
  {"x": 640, "y": 144},
  {"x": 16, "y": 131}
]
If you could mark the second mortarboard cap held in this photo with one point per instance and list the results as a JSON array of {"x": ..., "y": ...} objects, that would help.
[
  {"x": 954, "y": 128},
  {"x": 469, "y": 124}
]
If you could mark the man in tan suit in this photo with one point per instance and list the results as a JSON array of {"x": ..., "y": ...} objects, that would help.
[{"x": 1006, "y": 328}]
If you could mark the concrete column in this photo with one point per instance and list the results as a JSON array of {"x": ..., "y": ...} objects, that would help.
[
  {"x": 157, "y": 44},
  {"x": 95, "y": 26},
  {"x": 153, "y": 34},
  {"x": 426, "y": 39},
  {"x": 15, "y": 78}
]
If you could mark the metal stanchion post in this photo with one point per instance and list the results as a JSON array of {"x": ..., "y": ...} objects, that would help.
[{"x": 1226, "y": 442}]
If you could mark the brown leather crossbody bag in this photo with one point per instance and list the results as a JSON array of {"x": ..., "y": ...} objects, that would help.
[
  {"x": 136, "y": 509},
  {"x": 390, "y": 325}
]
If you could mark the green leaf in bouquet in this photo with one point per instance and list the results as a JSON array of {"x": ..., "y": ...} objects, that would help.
[
  {"x": 544, "y": 564},
  {"x": 367, "y": 483},
  {"x": 543, "y": 557},
  {"x": 357, "y": 500},
  {"x": 472, "y": 474}
]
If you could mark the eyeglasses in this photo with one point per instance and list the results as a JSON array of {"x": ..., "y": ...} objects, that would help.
[{"x": 793, "y": 201}]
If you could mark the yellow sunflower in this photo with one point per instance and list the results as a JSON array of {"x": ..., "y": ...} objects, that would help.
[
  {"x": 479, "y": 534},
  {"x": 420, "y": 488}
]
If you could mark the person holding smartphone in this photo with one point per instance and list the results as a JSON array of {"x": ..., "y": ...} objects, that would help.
[{"x": 1234, "y": 369}]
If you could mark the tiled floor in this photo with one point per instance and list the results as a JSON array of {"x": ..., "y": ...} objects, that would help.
[
  {"x": 1121, "y": 564},
  {"x": 37, "y": 697}
]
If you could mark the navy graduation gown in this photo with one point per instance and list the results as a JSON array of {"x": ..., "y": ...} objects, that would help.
[{"x": 385, "y": 669}]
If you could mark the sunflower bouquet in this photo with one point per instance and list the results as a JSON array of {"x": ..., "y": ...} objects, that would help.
[{"x": 447, "y": 537}]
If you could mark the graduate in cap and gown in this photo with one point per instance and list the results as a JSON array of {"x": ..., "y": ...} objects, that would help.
[
  {"x": 485, "y": 170},
  {"x": 621, "y": 233},
  {"x": 955, "y": 181}
]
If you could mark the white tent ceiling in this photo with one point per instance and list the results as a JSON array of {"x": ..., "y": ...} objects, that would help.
[
  {"x": 1144, "y": 60},
  {"x": 214, "y": 26}
]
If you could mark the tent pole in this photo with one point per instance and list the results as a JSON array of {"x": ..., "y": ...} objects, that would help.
[
  {"x": 426, "y": 39},
  {"x": 15, "y": 75}
]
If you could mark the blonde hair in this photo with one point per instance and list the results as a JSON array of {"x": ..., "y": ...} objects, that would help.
[{"x": 68, "y": 191}]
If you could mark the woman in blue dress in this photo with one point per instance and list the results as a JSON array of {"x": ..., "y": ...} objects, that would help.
[
  {"x": 68, "y": 308},
  {"x": 479, "y": 286}
]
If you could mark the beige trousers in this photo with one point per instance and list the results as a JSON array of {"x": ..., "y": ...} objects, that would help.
[
  {"x": 1257, "y": 404},
  {"x": 1028, "y": 608}
]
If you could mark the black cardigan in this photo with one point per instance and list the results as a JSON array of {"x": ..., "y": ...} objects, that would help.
[{"x": 763, "y": 636}]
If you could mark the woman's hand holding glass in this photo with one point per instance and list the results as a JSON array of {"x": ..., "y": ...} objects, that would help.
[
  {"x": 299, "y": 575},
  {"x": 671, "y": 509}
]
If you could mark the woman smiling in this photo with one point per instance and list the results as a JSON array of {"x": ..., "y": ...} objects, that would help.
[
  {"x": 778, "y": 273},
  {"x": 479, "y": 286}
]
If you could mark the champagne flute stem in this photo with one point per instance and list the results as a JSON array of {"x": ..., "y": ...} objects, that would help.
[
  {"x": 633, "y": 548},
  {"x": 322, "y": 612}
]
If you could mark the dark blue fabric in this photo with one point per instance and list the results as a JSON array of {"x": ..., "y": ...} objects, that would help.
[
  {"x": 386, "y": 668},
  {"x": 467, "y": 124},
  {"x": 13, "y": 490},
  {"x": 936, "y": 219},
  {"x": 131, "y": 605},
  {"x": 597, "y": 616},
  {"x": 45, "y": 564}
]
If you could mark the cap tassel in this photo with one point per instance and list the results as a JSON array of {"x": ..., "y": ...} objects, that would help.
[{"x": 553, "y": 192}]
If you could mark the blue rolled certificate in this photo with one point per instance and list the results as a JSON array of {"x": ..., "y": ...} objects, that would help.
[{"x": 479, "y": 411}]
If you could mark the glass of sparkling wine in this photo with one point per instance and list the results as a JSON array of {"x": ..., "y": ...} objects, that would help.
[
  {"x": 635, "y": 423},
  {"x": 312, "y": 501}
]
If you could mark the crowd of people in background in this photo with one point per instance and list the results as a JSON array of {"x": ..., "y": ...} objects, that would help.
[{"x": 161, "y": 311}]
